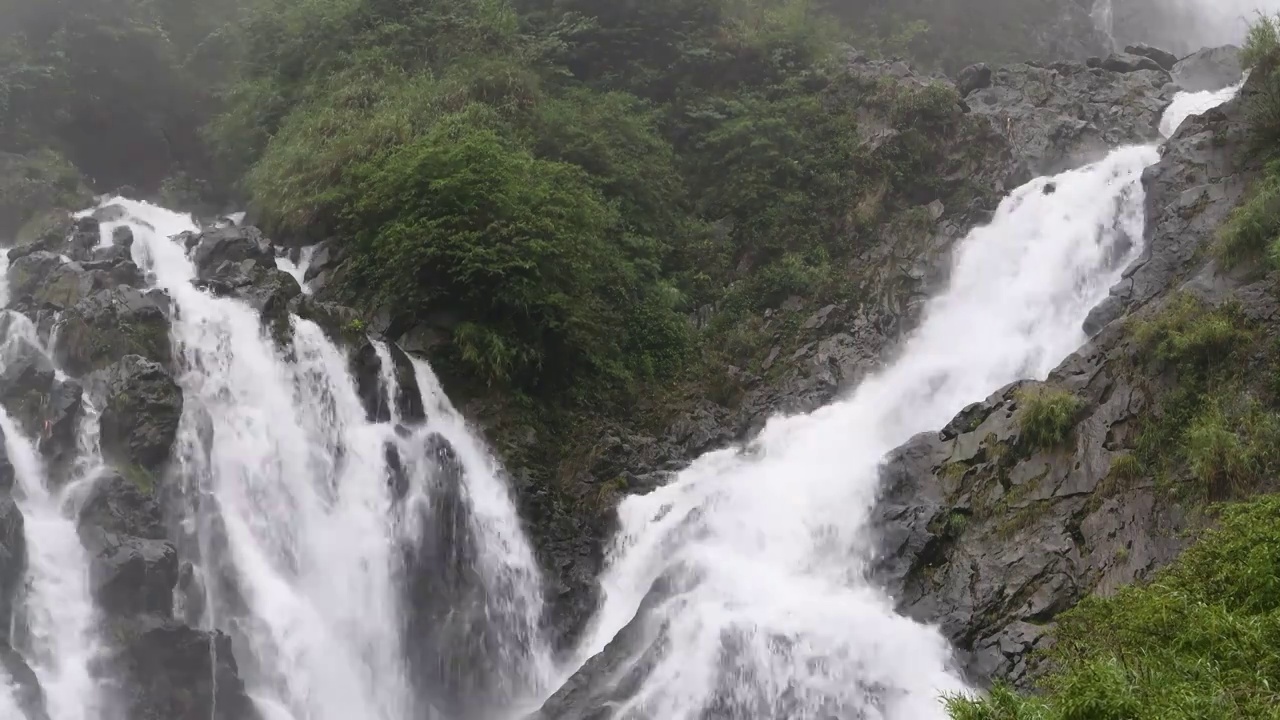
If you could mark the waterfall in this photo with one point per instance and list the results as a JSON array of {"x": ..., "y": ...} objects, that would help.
[
  {"x": 56, "y": 623},
  {"x": 323, "y": 538},
  {"x": 749, "y": 570},
  {"x": 60, "y": 640}
]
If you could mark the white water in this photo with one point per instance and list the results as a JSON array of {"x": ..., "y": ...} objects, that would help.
[
  {"x": 777, "y": 619},
  {"x": 296, "y": 529},
  {"x": 60, "y": 638},
  {"x": 1187, "y": 104},
  {"x": 299, "y": 269},
  {"x": 772, "y": 615},
  {"x": 57, "y": 606}
]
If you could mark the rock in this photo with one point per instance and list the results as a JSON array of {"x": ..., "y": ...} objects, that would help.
[
  {"x": 366, "y": 366},
  {"x": 42, "y": 279},
  {"x": 174, "y": 672},
  {"x": 25, "y": 684},
  {"x": 130, "y": 575},
  {"x": 220, "y": 248},
  {"x": 343, "y": 325},
  {"x": 1062, "y": 115},
  {"x": 46, "y": 231},
  {"x": 122, "y": 236},
  {"x": 85, "y": 236},
  {"x": 1202, "y": 175},
  {"x": 13, "y": 550},
  {"x": 117, "y": 505},
  {"x": 1209, "y": 69},
  {"x": 110, "y": 213},
  {"x": 141, "y": 415},
  {"x": 105, "y": 327},
  {"x": 48, "y": 409},
  {"x": 1166, "y": 60},
  {"x": 1127, "y": 63}
]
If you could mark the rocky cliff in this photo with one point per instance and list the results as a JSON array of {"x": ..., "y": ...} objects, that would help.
[{"x": 992, "y": 533}]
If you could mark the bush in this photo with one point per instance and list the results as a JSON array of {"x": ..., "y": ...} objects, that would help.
[
  {"x": 1189, "y": 336},
  {"x": 1048, "y": 417},
  {"x": 1197, "y": 643},
  {"x": 524, "y": 250}
]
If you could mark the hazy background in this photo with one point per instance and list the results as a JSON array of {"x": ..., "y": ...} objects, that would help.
[{"x": 1181, "y": 26}]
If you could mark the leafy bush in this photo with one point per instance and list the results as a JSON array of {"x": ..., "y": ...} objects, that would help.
[
  {"x": 1197, "y": 643},
  {"x": 1190, "y": 336},
  {"x": 1048, "y": 416}
]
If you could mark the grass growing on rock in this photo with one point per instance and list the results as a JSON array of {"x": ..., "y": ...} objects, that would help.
[
  {"x": 1197, "y": 643},
  {"x": 1048, "y": 417}
]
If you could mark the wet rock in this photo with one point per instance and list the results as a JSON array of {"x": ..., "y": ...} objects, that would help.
[
  {"x": 340, "y": 323},
  {"x": 13, "y": 549},
  {"x": 1209, "y": 69},
  {"x": 366, "y": 366},
  {"x": 122, "y": 237},
  {"x": 47, "y": 408},
  {"x": 120, "y": 506},
  {"x": 47, "y": 231},
  {"x": 231, "y": 250},
  {"x": 1127, "y": 63},
  {"x": 43, "y": 279},
  {"x": 1064, "y": 114},
  {"x": 85, "y": 236},
  {"x": 140, "y": 418},
  {"x": 175, "y": 672},
  {"x": 105, "y": 327},
  {"x": 1166, "y": 60},
  {"x": 130, "y": 575},
  {"x": 1202, "y": 175},
  {"x": 26, "y": 686}
]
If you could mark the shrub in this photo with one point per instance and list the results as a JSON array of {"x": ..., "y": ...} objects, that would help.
[
  {"x": 1252, "y": 231},
  {"x": 1048, "y": 416},
  {"x": 1197, "y": 643},
  {"x": 1190, "y": 336}
]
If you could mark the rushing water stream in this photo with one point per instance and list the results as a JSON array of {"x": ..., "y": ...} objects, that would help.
[{"x": 375, "y": 569}]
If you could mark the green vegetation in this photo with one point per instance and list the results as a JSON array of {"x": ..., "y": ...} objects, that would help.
[
  {"x": 1048, "y": 417},
  {"x": 1253, "y": 231},
  {"x": 1196, "y": 643}
]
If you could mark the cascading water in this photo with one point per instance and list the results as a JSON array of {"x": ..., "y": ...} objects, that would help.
[
  {"x": 750, "y": 568},
  {"x": 306, "y": 518},
  {"x": 1187, "y": 104},
  {"x": 57, "y": 623}
]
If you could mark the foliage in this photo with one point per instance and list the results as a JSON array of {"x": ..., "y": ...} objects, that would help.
[
  {"x": 1048, "y": 416},
  {"x": 1252, "y": 232},
  {"x": 33, "y": 183},
  {"x": 1197, "y": 643}
]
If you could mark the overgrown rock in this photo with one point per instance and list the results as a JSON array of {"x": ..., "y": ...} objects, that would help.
[
  {"x": 141, "y": 415},
  {"x": 105, "y": 327},
  {"x": 176, "y": 672}
]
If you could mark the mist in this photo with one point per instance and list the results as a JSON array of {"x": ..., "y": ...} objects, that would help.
[{"x": 1181, "y": 26}]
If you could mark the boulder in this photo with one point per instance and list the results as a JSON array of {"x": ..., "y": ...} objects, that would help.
[
  {"x": 974, "y": 77},
  {"x": 13, "y": 550},
  {"x": 130, "y": 575},
  {"x": 122, "y": 237},
  {"x": 86, "y": 233},
  {"x": 218, "y": 250},
  {"x": 1209, "y": 69},
  {"x": 1127, "y": 63},
  {"x": 175, "y": 672},
  {"x": 366, "y": 366},
  {"x": 140, "y": 417},
  {"x": 105, "y": 327},
  {"x": 1062, "y": 115},
  {"x": 1166, "y": 60},
  {"x": 25, "y": 685},
  {"x": 117, "y": 505},
  {"x": 42, "y": 279}
]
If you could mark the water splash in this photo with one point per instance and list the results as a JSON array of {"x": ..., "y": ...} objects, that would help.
[
  {"x": 60, "y": 641},
  {"x": 305, "y": 517},
  {"x": 298, "y": 269},
  {"x": 762, "y": 551},
  {"x": 1186, "y": 104}
]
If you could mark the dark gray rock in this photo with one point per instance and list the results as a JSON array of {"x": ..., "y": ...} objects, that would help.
[
  {"x": 122, "y": 237},
  {"x": 974, "y": 77},
  {"x": 1127, "y": 63},
  {"x": 366, "y": 366},
  {"x": 1209, "y": 69},
  {"x": 218, "y": 250},
  {"x": 26, "y": 686},
  {"x": 1064, "y": 115},
  {"x": 86, "y": 233},
  {"x": 1166, "y": 60},
  {"x": 140, "y": 418},
  {"x": 1202, "y": 175},
  {"x": 119, "y": 506},
  {"x": 105, "y": 327},
  {"x": 44, "y": 279},
  {"x": 13, "y": 550},
  {"x": 131, "y": 575},
  {"x": 174, "y": 672}
]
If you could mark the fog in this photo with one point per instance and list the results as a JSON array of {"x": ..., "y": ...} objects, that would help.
[{"x": 1181, "y": 26}]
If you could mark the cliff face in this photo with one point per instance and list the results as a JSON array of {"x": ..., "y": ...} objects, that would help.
[{"x": 991, "y": 536}]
